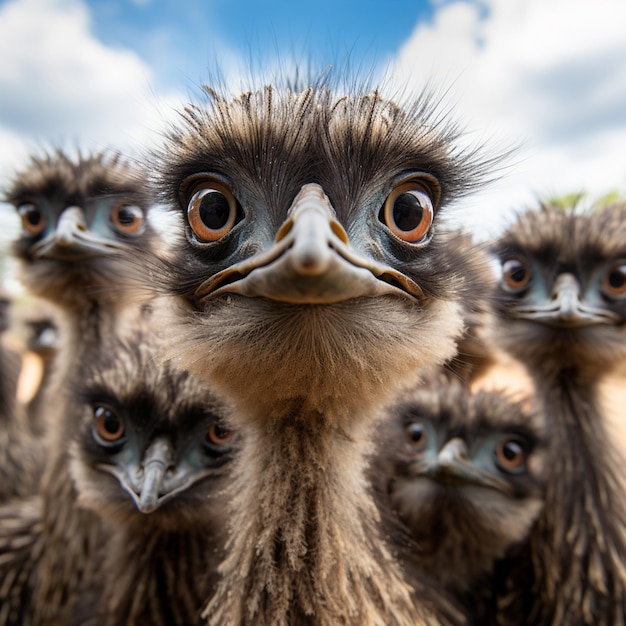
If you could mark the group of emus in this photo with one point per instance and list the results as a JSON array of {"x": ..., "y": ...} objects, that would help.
[{"x": 265, "y": 417}]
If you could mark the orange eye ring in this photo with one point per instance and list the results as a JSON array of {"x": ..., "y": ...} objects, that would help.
[
  {"x": 417, "y": 435},
  {"x": 127, "y": 218},
  {"x": 408, "y": 211},
  {"x": 108, "y": 426},
  {"x": 33, "y": 220},
  {"x": 217, "y": 435},
  {"x": 614, "y": 281},
  {"x": 511, "y": 455},
  {"x": 516, "y": 273},
  {"x": 211, "y": 211}
]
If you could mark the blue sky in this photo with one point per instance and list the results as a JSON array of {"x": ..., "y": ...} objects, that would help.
[
  {"x": 183, "y": 38},
  {"x": 545, "y": 76}
]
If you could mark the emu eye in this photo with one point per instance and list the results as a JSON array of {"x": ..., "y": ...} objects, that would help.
[
  {"x": 408, "y": 211},
  {"x": 127, "y": 218},
  {"x": 614, "y": 281},
  {"x": 108, "y": 427},
  {"x": 217, "y": 435},
  {"x": 516, "y": 273},
  {"x": 511, "y": 456},
  {"x": 212, "y": 211},
  {"x": 33, "y": 220},
  {"x": 417, "y": 435}
]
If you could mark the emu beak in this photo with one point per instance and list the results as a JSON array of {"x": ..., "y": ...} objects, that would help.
[
  {"x": 310, "y": 262},
  {"x": 71, "y": 223},
  {"x": 454, "y": 467},
  {"x": 566, "y": 307},
  {"x": 156, "y": 462},
  {"x": 158, "y": 477},
  {"x": 72, "y": 239}
]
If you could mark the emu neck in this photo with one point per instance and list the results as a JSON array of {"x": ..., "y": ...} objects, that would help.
[
  {"x": 89, "y": 324},
  {"x": 157, "y": 577},
  {"x": 306, "y": 544},
  {"x": 580, "y": 541},
  {"x": 71, "y": 535},
  {"x": 67, "y": 544}
]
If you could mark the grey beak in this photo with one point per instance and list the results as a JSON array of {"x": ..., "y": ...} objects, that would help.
[
  {"x": 157, "y": 460},
  {"x": 71, "y": 221}
]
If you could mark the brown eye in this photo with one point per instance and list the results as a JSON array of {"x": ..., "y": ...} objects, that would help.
[
  {"x": 614, "y": 281},
  {"x": 127, "y": 218},
  {"x": 408, "y": 212},
  {"x": 417, "y": 435},
  {"x": 212, "y": 211},
  {"x": 516, "y": 273},
  {"x": 510, "y": 455},
  {"x": 33, "y": 220},
  {"x": 217, "y": 435},
  {"x": 108, "y": 427}
]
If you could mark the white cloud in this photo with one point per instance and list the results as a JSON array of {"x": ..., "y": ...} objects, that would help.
[
  {"x": 62, "y": 86},
  {"x": 546, "y": 74}
]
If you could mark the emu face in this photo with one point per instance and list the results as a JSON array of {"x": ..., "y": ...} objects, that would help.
[
  {"x": 314, "y": 272},
  {"x": 563, "y": 288},
  {"x": 149, "y": 440},
  {"x": 80, "y": 218},
  {"x": 468, "y": 469}
]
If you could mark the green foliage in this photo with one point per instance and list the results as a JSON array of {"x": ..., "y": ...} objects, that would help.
[
  {"x": 612, "y": 197},
  {"x": 568, "y": 202},
  {"x": 580, "y": 200}
]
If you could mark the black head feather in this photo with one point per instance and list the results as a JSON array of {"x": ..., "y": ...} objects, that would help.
[
  {"x": 144, "y": 402},
  {"x": 108, "y": 200},
  {"x": 466, "y": 474},
  {"x": 264, "y": 146},
  {"x": 588, "y": 252}
]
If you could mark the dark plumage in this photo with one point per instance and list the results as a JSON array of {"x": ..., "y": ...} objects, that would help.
[
  {"x": 151, "y": 457},
  {"x": 20, "y": 528},
  {"x": 314, "y": 282},
  {"x": 466, "y": 474},
  {"x": 562, "y": 307},
  {"x": 82, "y": 220},
  {"x": 46, "y": 544}
]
